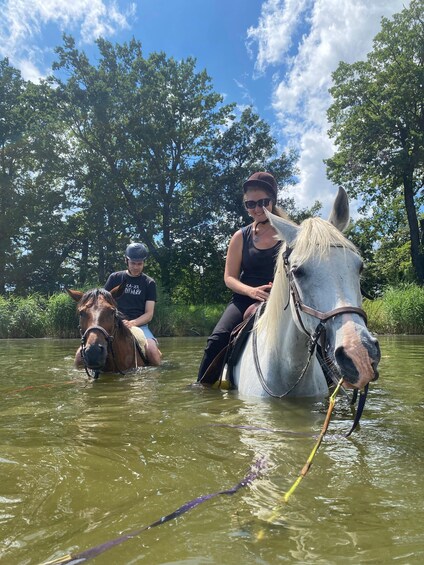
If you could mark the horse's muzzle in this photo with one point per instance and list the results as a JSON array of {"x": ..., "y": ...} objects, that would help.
[
  {"x": 94, "y": 355},
  {"x": 358, "y": 363}
]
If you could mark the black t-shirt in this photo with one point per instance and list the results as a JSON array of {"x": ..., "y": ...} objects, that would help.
[{"x": 132, "y": 303}]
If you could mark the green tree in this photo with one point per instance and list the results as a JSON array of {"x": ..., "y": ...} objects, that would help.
[
  {"x": 377, "y": 121},
  {"x": 161, "y": 160},
  {"x": 216, "y": 210},
  {"x": 15, "y": 153},
  {"x": 147, "y": 123},
  {"x": 32, "y": 192},
  {"x": 383, "y": 240}
]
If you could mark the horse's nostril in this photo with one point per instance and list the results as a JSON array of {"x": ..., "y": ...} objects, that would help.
[
  {"x": 374, "y": 365},
  {"x": 346, "y": 364}
]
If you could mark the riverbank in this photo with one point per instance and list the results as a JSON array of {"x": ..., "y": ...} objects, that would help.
[{"x": 398, "y": 311}]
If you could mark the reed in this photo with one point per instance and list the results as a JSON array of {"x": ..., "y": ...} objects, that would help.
[
  {"x": 399, "y": 311},
  {"x": 5, "y": 315},
  {"x": 404, "y": 307},
  {"x": 184, "y": 320},
  {"x": 62, "y": 320}
]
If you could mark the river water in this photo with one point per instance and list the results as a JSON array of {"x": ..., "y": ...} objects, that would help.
[{"x": 83, "y": 463}]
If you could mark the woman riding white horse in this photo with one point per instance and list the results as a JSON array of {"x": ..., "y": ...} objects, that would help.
[{"x": 315, "y": 298}]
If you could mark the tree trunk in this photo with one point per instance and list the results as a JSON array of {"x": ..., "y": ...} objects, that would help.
[{"x": 416, "y": 255}]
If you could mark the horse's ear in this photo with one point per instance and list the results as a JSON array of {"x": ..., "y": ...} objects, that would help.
[
  {"x": 118, "y": 290},
  {"x": 74, "y": 294},
  {"x": 287, "y": 230},
  {"x": 339, "y": 216}
]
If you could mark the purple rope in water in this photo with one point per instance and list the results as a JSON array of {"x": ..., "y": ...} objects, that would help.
[{"x": 254, "y": 472}]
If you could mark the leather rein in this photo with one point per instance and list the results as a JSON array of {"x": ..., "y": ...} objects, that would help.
[{"x": 317, "y": 335}]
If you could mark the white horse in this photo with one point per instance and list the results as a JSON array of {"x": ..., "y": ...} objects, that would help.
[{"x": 315, "y": 301}]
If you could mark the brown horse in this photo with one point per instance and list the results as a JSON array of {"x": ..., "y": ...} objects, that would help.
[{"x": 107, "y": 346}]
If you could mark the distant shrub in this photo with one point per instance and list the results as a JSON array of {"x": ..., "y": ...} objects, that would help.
[
  {"x": 400, "y": 310},
  {"x": 61, "y": 316},
  {"x": 23, "y": 317}
]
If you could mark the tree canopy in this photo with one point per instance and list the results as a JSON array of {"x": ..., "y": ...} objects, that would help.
[
  {"x": 128, "y": 148},
  {"x": 377, "y": 121}
]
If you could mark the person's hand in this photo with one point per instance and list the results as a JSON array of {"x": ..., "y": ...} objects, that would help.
[
  {"x": 128, "y": 323},
  {"x": 260, "y": 293}
]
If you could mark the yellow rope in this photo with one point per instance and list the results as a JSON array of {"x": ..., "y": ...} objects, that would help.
[
  {"x": 276, "y": 511},
  {"x": 59, "y": 560}
]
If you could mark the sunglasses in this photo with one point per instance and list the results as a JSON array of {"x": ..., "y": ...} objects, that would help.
[{"x": 263, "y": 202}]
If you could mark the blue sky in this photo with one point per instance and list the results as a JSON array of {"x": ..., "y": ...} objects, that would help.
[{"x": 276, "y": 55}]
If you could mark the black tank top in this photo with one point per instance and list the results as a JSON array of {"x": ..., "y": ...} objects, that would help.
[{"x": 257, "y": 265}]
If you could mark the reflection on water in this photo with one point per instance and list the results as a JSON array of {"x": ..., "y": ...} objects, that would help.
[{"x": 82, "y": 463}]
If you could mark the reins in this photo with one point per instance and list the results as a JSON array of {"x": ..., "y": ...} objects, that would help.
[
  {"x": 276, "y": 511},
  {"x": 255, "y": 472},
  {"x": 311, "y": 348}
]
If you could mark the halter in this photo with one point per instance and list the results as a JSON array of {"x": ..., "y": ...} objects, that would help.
[
  {"x": 109, "y": 340},
  {"x": 318, "y": 334}
]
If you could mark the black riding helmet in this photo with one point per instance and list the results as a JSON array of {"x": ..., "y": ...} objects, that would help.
[{"x": 136, "y": 252}]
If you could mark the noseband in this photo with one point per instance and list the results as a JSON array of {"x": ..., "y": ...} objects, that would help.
[{"x": 109, "y": 339}]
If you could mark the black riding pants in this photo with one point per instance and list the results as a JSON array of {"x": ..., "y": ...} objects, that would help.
[{"x": 220, "y": 336}]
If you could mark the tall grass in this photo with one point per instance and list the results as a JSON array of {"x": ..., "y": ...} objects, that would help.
[
  {"x": 185, "y": 320},
  {"x": 400, "y": 310},
  {"x": 61, "y": 317},
  {"x": 23, "y": 317},
  {"x": 405, "y": 309}
]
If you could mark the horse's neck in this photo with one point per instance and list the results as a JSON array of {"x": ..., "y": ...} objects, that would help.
[
  {"x": 290, "y": 351},
  {"x": 124, "y": 352},
  {"x": 282, "y": 366}
]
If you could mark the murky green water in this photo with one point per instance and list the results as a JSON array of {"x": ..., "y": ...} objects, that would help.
[{"x": 83, "y": 463}]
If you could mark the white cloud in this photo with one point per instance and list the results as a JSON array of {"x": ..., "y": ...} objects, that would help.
[
  {"x": 24, "y": 22},
  {"x": 309, "y": 39},
  {"x": 279, "y": 20}
]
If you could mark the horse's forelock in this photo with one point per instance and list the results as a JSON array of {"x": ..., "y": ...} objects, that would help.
[
  {"x": 315, "y": 238},
  {"x": 90, "y": 297}
]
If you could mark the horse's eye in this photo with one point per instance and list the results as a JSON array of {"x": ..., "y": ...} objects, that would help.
[
  {"x": 298, "y": 271},
  {"x": 82, "y": 314}
]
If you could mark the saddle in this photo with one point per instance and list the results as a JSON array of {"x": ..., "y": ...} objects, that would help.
[{"x": 219, "y": 374}]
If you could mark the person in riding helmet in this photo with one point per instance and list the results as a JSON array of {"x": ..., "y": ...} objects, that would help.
[{"x": 138, "y": 300}]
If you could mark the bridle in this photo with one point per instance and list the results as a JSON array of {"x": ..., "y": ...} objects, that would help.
[
  {"x": 318, "y": 334},
  {"x": 109, "y": 341}
]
